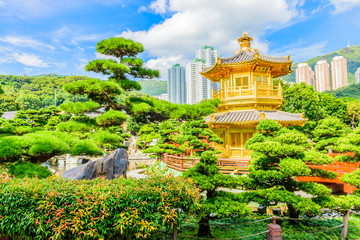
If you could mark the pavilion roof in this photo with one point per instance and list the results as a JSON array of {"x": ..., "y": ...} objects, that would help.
[
  {"x": 244, "y": 59},
  {"x": 243, "y": 117}
]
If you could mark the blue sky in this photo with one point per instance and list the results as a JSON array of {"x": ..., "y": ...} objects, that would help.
[{"x": 48, "y": 36}]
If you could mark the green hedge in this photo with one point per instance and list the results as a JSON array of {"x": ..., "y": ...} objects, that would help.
[{"x": 56, "y": 208}]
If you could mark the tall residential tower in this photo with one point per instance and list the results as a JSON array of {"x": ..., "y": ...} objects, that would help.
[
  {"x": 176, "y": 84},
  {"x": 322, "y": 76},
  {"x": 357, "y": 76},
  {"x": 305, "y": 74},
  {"x": 198, "y": 87},
  {"x": 339, "y": 72}
]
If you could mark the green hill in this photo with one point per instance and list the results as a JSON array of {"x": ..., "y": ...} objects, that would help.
[
  {"x": 351, "y": 91},
  {"x": 153, "y": 87},
  {"x": 352, "y": 55}
]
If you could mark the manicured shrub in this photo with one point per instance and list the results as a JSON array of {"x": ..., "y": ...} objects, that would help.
[
  {"x": 86, "y": 147},
  {"x": 56, "y": 208},
  {"x": 107, "y": 140},
  {"x": 23, "y": 169},
  {"x": 111, "y": 118},
  {"x": 72, "y": 126}
]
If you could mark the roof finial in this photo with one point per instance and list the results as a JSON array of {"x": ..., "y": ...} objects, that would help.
[{"x": 245, "y": 42}]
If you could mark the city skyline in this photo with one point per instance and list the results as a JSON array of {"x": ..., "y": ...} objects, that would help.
[
  {"x": 326, "y": 76},
  {"x": 39, "y": 37}
]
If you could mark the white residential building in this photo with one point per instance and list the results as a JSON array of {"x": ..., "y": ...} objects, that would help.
[
  {"x": 322, "y": 76},
  {"x": 198, "y": 87},
  {"x": 357, "y": 76},
  {"x": 339, "y": 72},
  {"x": 162, "y": 97},
  {"x": 304, "y": 74}
]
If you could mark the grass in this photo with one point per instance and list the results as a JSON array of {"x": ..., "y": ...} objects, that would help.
[{"x": 309, "y": 230}]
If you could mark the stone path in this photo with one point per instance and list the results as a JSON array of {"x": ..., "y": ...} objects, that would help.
[{"x": 136, "y": 173}]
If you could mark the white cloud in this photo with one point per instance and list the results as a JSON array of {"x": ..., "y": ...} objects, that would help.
[
  {"x": 29, "y": 60},
  {"x": 24, "y": 41},
  {"x": 159, "y": 6},
  {"x": 344, "y": 5},
  {"x": 212, "y": 22},
  {"x": 162, "y": 64}
]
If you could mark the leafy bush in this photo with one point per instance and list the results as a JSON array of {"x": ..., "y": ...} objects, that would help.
[
  {"x": 86, "y": 147},
  {"x": 345, "y": 158},
  {"x": 23, "y": 169},
  {"x": 79, "y": 107},
  {"x": 72, "y": 126},
  {"x": 107, "y": 139},
  {"x": 55, "y": 208},
  {"x": 111, "y": 118}
]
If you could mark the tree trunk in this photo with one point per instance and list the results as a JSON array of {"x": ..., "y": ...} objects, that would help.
[
  {"x": 204, "y": 227},
  {"x": 292, "y": 212}
]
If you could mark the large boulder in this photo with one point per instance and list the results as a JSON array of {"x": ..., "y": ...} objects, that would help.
[{"x": 112, "y": 166}]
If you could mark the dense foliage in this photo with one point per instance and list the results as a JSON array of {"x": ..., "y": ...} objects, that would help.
[
  {"x": 57, "y": 208},
  {"x": 24, "y": 92},
  {"x": 301, "y": 98}
]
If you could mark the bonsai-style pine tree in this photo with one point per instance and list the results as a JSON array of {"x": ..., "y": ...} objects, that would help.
[
  {"x": 168, "y": 131},
  {"x": 279, "y": 156},
  {"x": 125, "y": 65},
  {"x": 198, "y": 138},
  {"x": 327, "y": 133},
  {"x": 123, "y": 68}
]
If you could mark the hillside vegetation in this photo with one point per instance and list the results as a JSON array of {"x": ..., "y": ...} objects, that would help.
[
  {"x": 352, "y": 91},
  {"x": 352, "y": 55},
  {"x": 35, "y": 92},
  {"x": 25, "y": 92},
  {"x": 153, "y": 87}
]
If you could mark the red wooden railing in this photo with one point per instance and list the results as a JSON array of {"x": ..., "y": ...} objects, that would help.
[
  {"x": 337, "y": 167},
  {"x": 237, "y": 166}
]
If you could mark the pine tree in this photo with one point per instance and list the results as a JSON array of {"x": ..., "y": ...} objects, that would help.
[
  {"x": 198, "y": 138},
  {"x": 279, "y": 156}
]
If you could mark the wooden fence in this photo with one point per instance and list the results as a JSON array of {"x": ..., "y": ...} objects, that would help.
[{"x": 237, "y": 166}]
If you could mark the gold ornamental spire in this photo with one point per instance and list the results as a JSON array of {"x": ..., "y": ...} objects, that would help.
[{"x": 245, "y": 42}]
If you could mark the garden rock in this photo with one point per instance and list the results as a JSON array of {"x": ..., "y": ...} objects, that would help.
[{"x": 110, "y": 167}]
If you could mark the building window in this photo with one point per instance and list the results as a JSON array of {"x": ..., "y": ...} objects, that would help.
[
  {"x": 241, "y": 81},
  {"x": 235, "y": 140},
  {"x": 238, "y": 140},
  {"x": 265, "y": 79}
]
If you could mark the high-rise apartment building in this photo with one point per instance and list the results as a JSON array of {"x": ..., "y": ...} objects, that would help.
[
  {"x": 176, "y": 84},
  {"x": 198, "y": 87},
  {"x": 322, "y": 76},
  {"x": 339, "y": 72},
  {"x": 357, "y": 76},
  {"x": 305, "y": 74}
]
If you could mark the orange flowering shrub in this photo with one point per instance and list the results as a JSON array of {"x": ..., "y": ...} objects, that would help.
[{"x": 56, "y": 208}]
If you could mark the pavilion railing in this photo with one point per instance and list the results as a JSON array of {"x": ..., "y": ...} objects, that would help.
[
  {"x": 251, "y": 91},
  {"x": 237, "y": 166}
]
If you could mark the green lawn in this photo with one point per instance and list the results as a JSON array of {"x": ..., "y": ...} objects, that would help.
[{"x": 309, "y": 230}]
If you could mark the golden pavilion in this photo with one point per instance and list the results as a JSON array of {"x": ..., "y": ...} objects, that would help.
[{"x": 248, "y": 95}]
